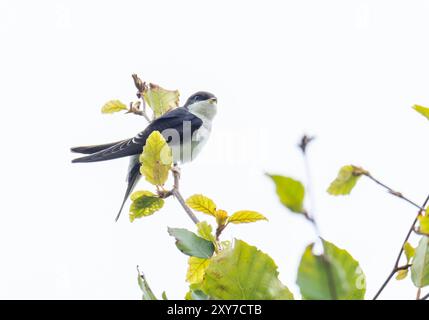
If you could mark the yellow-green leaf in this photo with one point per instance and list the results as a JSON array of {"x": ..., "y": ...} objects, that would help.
[
  {"x": 402, "y": 274},
  {"x": 144, "y": 203},
  {"x": 202, "y": 203},
  {"x": 156, "y": 159},
  {"x": 422, "y": 110},
  {"x": 196, "y": 269},
  {"x": 424, "y": 224},
  {"x": 409, "y": 251},
  {"x": 205, "y": 231},
  {"x": 243, "y": 273},
  {"x": 290, "y": 192},
  {"x": 345, "y": 180},
  {"x": 161, "y": 100},
  {"x": 246, "y": 216},
  {"x": 420, "y": 267},
  {"x": 113, "y": 106}
]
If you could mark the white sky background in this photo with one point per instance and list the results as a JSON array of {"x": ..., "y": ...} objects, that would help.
[{"x": 345, "y": 71}]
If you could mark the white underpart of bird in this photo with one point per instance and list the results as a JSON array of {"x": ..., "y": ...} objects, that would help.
[{"x": 193, "y": 144}]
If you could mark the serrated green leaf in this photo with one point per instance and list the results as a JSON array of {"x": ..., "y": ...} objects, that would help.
[
  {"x": 191, "y": 244},
  {"x": 145, "y": 288},
  {"x": 246, "y": 216},
  {"x": 202, "y": 203},
  {"x": 420, "y": 267},
  {"x": 402, "y": 274},
  {"x": 409, "y": 251},
  {"x": 144, "y": 203},
  {"x": 345, "y": 180},
  {"x": 422, "y": 110},
  {"x": 196, "y": 269},
  {"x": 331, "y": 276},
  {"x": 243, "y": 273},
  {"x": 156, "y": 159},
  {"x": 205, "y": 231},
  {"x": 113, "y": 106},
  {"x": 160, "y": 100},
  {"x": 290, "y": 192}
]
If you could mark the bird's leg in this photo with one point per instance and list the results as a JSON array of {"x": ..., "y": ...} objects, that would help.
[{"x": 176, "y": 174}]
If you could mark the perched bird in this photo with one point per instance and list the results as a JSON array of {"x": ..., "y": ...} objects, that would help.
[{"x": 186, "y": 130}]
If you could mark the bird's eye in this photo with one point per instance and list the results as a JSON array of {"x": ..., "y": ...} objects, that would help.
[{"x": 196, "y": 98}]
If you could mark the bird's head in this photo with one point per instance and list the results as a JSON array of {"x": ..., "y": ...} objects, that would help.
[{"x": 202, "y": 104}]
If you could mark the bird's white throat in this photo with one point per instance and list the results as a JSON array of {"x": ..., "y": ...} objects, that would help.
[{"x": 204, "y": 110}]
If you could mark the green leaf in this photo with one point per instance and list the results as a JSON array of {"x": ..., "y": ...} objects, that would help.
[
  {"x": 190, "y": 244},
  {"x": 195, "y": 292},
  {"x": 290, "y": 192},
  {"x": 402, "y": 274},
  {"x": 113, "y": 106},
  {"x": 205, "y": 231},
  {"x": 331, "y": 276},
  {"x": 346, "y": 180},
  {"x": 144, "y": 203},
  {"x": 420, "y": 267},
  {"x": 243, "y": 273},
  {"x": 156, "y": 159},
  {"x": 424, "y": 224},
  {"x": 246, "y": 216},
  {"x": 409, "y": 251},
  {"x": 196, "y": 269},
  {"x": 422, "y": 110},
  {"x": 161, "y": 100},
  {"x": 144, "y": 286},
  {"x": 202, "y": 203},
  {"x": 164, "y": 296}
]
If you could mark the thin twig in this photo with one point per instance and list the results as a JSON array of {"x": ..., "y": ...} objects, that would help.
[
  {"x": 139, "y": 113},
  {"x": 141, "y": 88},
  {"x": 303, "y": 145},
  {"x": 425, "y": 297},
  {"x": 391, "y": 191},
  {"x": 419, "y": 291},
  {"x": 401, "y": 251}
]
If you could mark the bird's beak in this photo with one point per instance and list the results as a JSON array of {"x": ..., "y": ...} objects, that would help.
[{"x": 213, "y": 100}]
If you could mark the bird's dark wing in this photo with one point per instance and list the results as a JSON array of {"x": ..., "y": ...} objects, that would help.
[
  {"x": 94, "y": 148},
  {"x": 171, "y": 120},
  {"x": 132, "y": 178}
]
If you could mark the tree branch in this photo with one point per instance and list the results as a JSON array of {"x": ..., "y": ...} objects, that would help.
[
  {"x": 176, "y": 193},
  {"x": 396, "y": 267},
  {"x": 182, "y": 202}
]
